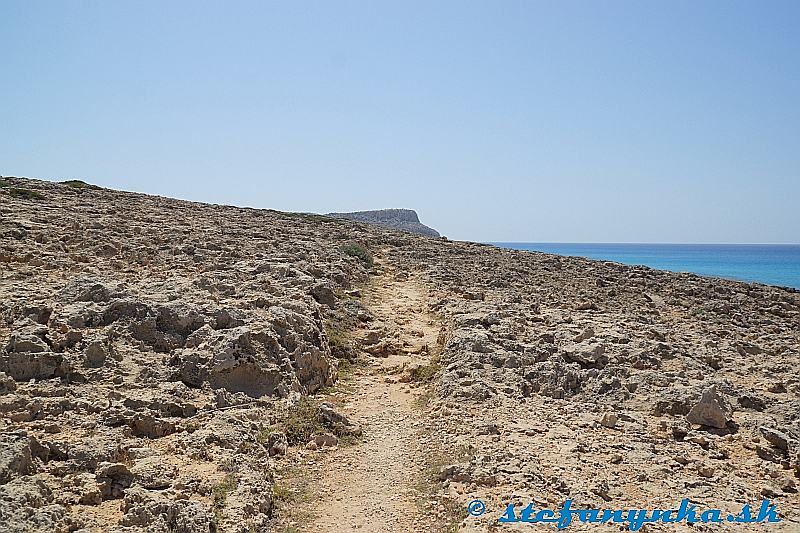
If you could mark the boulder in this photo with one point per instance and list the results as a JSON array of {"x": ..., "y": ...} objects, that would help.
[
  {"x": 712, "y": 410},
  {"x": 26, "y": 342},
  {"x": 113, "y": 479},
  {"x": 94, "y": 354},
  {"x": 277, "y": 443},
  {"x": 152, "y": 511},
  {"x": 7, "y": 384},
  {"x": 586, "y": 355},
  {"x": 323, "y": 293},
  {"x": 24, "y": 366}
]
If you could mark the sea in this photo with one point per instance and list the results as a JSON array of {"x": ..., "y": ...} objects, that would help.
[{"x": 773, "y": 264}]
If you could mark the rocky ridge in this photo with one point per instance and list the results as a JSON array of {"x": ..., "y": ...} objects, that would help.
[
  {"x": 399, "y": 219},
  {"x": 151, "y": 346}
]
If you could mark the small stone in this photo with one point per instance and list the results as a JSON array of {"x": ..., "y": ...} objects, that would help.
[
  {"x": 787, "y": 484},
  {"x": 705, "y": 470},
  {"x": 679, "y": 430},
  {"x": 325, "y": 439},
  {"x": 609, "y": 420},
  {"x": 95, "y": 354},
  {"x": 777, "y": 387},
  {"x": 700, "y": 440},
  {"x": 775, "y": 437}
]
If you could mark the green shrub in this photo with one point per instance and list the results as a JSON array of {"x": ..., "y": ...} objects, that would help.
[
  {"x": 426, "y": 373},
  {"x": 302, "y": 421},
  {"x": 221, "y": 490},
  {"x": 314, "y": 218},
  {"x": 78, "y": 184},
  {"x": 24, "y": 194},
  {"x": 356, "y": 250},
  {"x": 281, "y": 493}
]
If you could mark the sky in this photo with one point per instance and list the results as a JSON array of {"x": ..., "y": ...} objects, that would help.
[{"x": 561, "y": 121}]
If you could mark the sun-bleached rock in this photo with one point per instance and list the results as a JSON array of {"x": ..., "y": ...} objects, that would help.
[{"x": 712, "y": 410}]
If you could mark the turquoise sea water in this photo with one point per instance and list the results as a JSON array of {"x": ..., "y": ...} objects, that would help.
[{"x": 774, "y": 264}]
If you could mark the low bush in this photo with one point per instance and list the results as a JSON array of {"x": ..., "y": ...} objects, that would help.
[
  {"x": 24, "y": 194},
  {"x": 426, "y": 373},
  {"x": 354, "y": 249},
  {"x": 302, "y": 421},
  {"x": 220, "y": 491}
]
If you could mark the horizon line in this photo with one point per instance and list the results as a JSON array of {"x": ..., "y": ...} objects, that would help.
[{"x": 654, "y": 242}]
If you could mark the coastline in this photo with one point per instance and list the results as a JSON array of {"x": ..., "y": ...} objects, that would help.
[{"x": 771, "y": 264}]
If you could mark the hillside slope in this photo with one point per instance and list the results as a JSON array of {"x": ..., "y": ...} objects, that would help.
[{"x": 156, "y": 353}]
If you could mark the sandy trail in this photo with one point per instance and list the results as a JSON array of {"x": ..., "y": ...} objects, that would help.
[{"x": 371, "y": 486}]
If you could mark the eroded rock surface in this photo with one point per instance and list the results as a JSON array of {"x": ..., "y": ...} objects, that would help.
[
  {"x": 611, "y": 385},
  {"x": 148, "y": 346},
  {"x": 399, "y": 219},
  {"x": 130, "y": 325}
]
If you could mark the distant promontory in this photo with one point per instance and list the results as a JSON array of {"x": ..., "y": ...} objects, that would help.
[{"x": 401, "y": 219}]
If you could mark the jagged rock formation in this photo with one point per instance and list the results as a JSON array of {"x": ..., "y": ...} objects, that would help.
[
  {"x": 400, "y": 219},
  {"x": 125, "y": 321},
  {"x": 132, "y": 326},
  {"x": 612, "y": 385}
]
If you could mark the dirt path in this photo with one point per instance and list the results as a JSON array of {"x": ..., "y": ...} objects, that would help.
[{"x": 372, "y": 485}]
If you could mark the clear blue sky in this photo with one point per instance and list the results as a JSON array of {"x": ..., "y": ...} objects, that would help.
[{"x": 516, "y": 121}]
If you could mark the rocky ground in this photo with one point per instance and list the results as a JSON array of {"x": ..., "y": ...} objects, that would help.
[
  {"x": 614, "y": 386},
  {"x": 174, "y": 366}
]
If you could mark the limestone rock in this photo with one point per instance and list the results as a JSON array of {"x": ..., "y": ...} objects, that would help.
[
  {"x": 153, "y": 473},
  {"x": 26, "y": 504},
  {"x": 609, "y": 420},
  {"x": 277, "y": 444},
  {"x": 400, "y": 219},
  {"x": 324, "y": 439},
  {"x": 113, "y": 479},
  {"x": 337, "y": 421},
  {"x": 712, "y": 410},
  {"x": 7, "y": 384},
  {"x": 95, "y": 354},
  {"x": 152, "y": 511},
  {"x": 213, "y": 318},
  {"x": 145, "y": 425}
]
